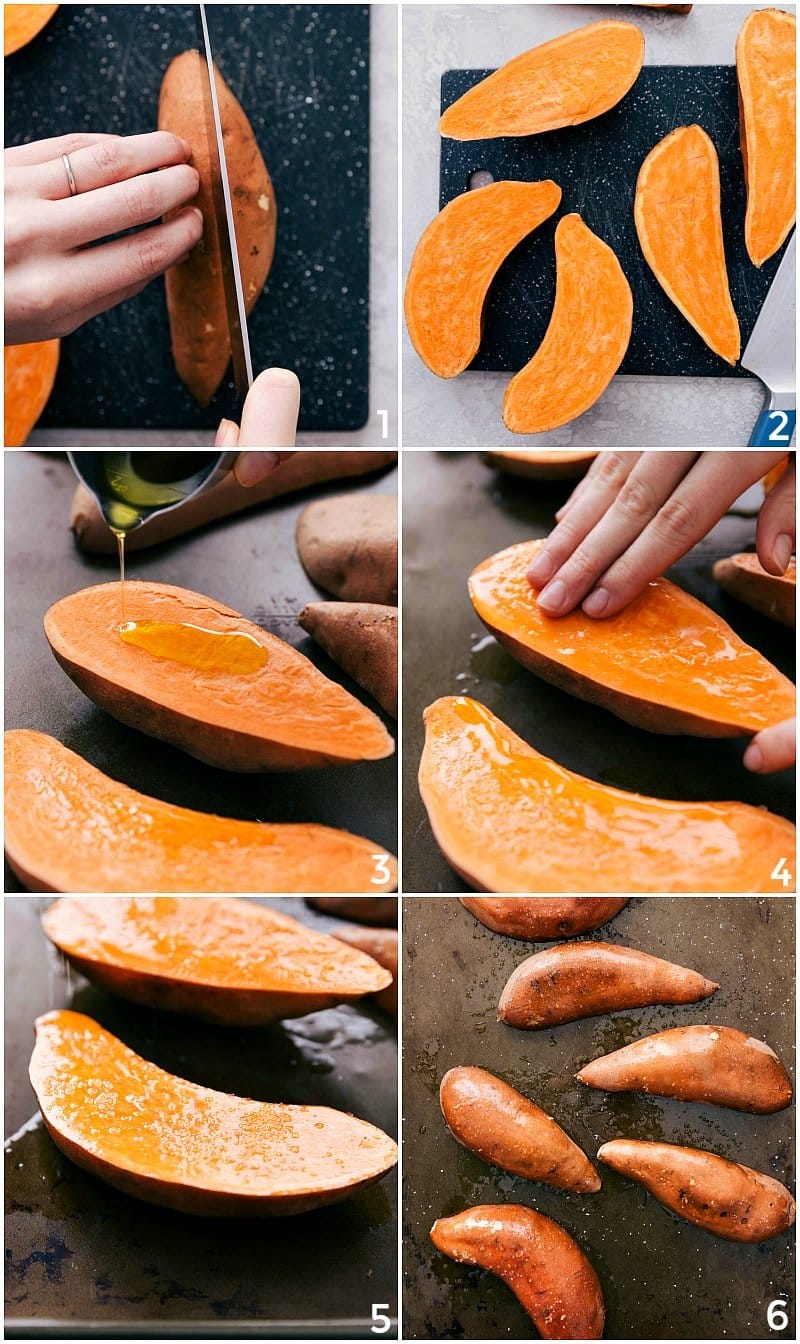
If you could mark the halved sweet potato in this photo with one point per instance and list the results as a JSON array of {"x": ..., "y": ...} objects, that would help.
[
  {"x": 563, "y": 82},
  {"x": 507, "y": 819},
  {"x": 586, "y": 338},
  {"x": 280, "y": 716},
  {"x": 225, "y": 960},
  {"x": 666, "y": 663},
  {"x": 383, "y": 946},
  {"x": 70, "y": 828},
  {"x": 171, "y": 1142},
  {"x": 456, "y": 261},
  {"x": 766, "y": 68},
  {"x": 22, "y": 23},
  {"x": 774, "y": 595},
  {"x": 543, "y": 464},
  {"x": 29, "y": 372},
  {"x": 678, "y": 220}
]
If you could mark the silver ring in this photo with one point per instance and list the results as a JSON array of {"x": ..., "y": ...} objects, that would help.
[{"x": 73, "y": 190}]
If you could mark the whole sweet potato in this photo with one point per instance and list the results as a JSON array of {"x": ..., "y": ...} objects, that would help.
[
  {"x": 361, "y": 638},
  {"x": 363, "y": 909},
  {"x": 535, "y": 917},
  {"x": 348, "y": 546},
  {"x": 382, "y": 946}
]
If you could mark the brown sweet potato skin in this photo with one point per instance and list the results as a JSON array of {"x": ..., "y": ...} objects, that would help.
[
  {"x": 382, "y": 946},
  {"x": 575, "y": 980},
  {"x": 773, "y": 595},
  {"x": 348, "y": 546},
  {"x": 725, "y": 1198},
  {"x": 719, "y": 1065},
  {"x": 544, "y": 1268},
  {"x": 361, "y": 637},
  {"x": 539, "y": 917},
  {"x": 195, "y": 296},
  {"x": 499, "y": 1125},
  {"x": 364, "y": 909}
]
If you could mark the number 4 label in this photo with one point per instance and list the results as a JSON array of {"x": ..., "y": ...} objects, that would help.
[
  {"x": 781, "y": 873},
  {"x": 381, "y": 1321}
]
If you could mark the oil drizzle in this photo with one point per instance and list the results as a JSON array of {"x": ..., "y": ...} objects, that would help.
[
  {"x": 120, "y": 535},
  {"x": 232, "y": 651}
]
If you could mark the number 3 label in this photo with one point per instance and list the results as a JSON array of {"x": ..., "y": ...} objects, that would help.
[{"x": 382, "y": 873}]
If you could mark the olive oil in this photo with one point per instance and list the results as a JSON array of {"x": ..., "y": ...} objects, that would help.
[{"x": 232, "y": 651}]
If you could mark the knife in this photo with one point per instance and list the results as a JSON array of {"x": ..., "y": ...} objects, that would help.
[
  {"x": 769, "y": 354},
  {"x": 223, "y": 211}
]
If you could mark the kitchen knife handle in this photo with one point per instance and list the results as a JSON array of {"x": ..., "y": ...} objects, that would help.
[{"x": 775, "y": 426}]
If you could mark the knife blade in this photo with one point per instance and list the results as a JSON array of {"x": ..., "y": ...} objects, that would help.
[
  {"x": 769, "y": 354},
  {"x": 226, "y": 227}
]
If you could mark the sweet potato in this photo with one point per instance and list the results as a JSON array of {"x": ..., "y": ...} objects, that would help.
[
  {"x": 543, "y": 464},
  {"x": 564, "y": 82},
  {"x": 198, "y": 319},
  {"x": 719, "y": 1065},
  {"x": 382, "y": 946},
  {"x": 68, "y": 827},
  {"x": 361, "y": 637},
  {"x": 282, "y": 715},
  {"x": 773, "y": 595},
  {"x": 536, "y": 919},
  {"x": 541, "y": 1264},
  {"x": 577, "y": 980},
  {"x": 348, "y": 546},
  {"x": 766, "y": 70},
  {"x": 170, "y": 1142},
  {"x": 723, "y": 1197},
  {"x": 302, "y": 470},
  {"x": 29, "y": 373},
  {"x": 364, "y": 909},
  {"x": 502, "y": 1127},
  {"x": 227, "y": 961},
  {"x": 22, "y": 23}
]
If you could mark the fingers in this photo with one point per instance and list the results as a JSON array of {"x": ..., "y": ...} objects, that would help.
[
  {"x": 250, "y": 468},
  {"x": 124, "y": 205},
  {"x": 775, "y": 531},
  {"x": 269, "y": 418},
  {"x": 117, "y": 159},
  {"x": 227, "y": 436},
  {"x": 772, "y": 749},
  {"x": 128, "y": 264},
  {"x": 42, "y": 151}
]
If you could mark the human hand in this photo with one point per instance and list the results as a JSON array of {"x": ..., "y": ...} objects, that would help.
[
  {"x": 772, "y": 749},
  {"x": 54, "y": 280},
  {"x": 269, "y": 417},
  {"x": 634, "y": 514}
]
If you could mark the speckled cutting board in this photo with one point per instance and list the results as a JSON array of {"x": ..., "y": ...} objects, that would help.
[
  {"x": 301, "y": 73},
  {"x": 596, "y": 166}
]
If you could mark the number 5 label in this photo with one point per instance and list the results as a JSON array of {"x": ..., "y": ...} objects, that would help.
[{"x": 381, "y": 1321}]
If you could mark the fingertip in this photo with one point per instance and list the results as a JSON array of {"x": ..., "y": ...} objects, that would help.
[
  {"x": 277, "y": 378},
  {"x": 753, "y": 758}
]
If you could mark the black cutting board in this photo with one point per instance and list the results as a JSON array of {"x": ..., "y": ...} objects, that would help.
[
  {"x": 301, "y": 73},
  {"x": 596, "y": 166}
]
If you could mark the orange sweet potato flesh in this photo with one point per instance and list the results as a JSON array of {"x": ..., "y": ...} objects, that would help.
[
  {"x": 29, "y": 373},
  {"x": 678, "y": 221},
  {"x": 195, "y": 296},
  {"x": 541, "y": 1264},
  {"x": 222, "y": 960},
  {"x": 766, "y": 69},
  {"x": 719, "y": 1066},
  {"x": 455, "y": 262},
  {"x": 773, "y": 595},
  {"x": 499, "y": 1125},
  {"x": 131, "y": 1124},
  {"x": 585, "y": 341},
  {"x": 544, "y": 464},
  {"x": 535, "y": 919},
  {"x": 666, "y": 663},
  {"x": 281, "y": 716},
  {"x": 564, "y": 82},
  {"x": 22, "y": 23},
  {"x": 509, "y": 820},
  {"x": 68, "y": 827}
]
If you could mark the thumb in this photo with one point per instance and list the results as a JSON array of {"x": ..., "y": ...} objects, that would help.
[
  {"x": 775, "y": 531},
  {"x": 772, "y": 749}
]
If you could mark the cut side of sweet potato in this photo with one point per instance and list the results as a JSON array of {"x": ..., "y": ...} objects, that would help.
[
  {"x": 29, "y": 373},
  {"x": 773, "y": 595},
  {"x": 509, "y": 820},
  {"x": 543, "y": 464},
  {"x": 226, "y": 960},
  {"x": 68, "y": 827},
  {"x": 564, "y": 82},
  {"x": 167, "y": 1141},
  {"x": 22, "y": 23},
  {"x": 282, "y": 715},
  {"x": 678, "y": 220},
  {"x": 585, "y": 341},
  {"x": 666, "y": 663},
  {"x": 455, "y": 262},
  {"x": 766, "y": 69}
]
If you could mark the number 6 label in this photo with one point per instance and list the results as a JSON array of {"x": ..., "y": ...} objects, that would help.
[{"x": 776, "y": 1316}]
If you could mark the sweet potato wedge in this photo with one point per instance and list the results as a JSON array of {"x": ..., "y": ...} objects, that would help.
[
  {"x": 766, "y": 70},
  {"x": 282, "y": 715},
  {"x": 226, "y": 960},
  {"x": 726, "y": 1198},
  {"x": 543, "y": 464},
  {"x": 382, "y": 946},
  {"x": 541, "y": 1264},
  {"x": 361, "y": 638},
  {"x": 577, "y": 980},
  {"x": 509, "y": 820},
  {"x": 773, "y": 595},
  {"x": 537, "y": 919},
  {"x": 348, "y": 545},
  {"x": 666, "y": 663},
  {"x": 29, "y": 373},
  {"x": 22, "y": 23},
  {"x": 363, "y": 909},
  {"x": 127, "y": 1122},
  {"x": 499, "y": 1125},
  {"x": 719, "y": 1065},
  {"x": 68, "y": 827},
  {"x": 195, "y": 295}
]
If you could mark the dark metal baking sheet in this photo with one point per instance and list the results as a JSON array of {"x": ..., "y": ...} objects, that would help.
[
  {"x": 596, "y": 166},
  {"x": 83, "y": 1260},
  {"x": 456, "y": 511},
  {"x": 662, "y": 1278},
  {"x": 301, "y": 73},
  {"x": 250, "y": 563}
]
